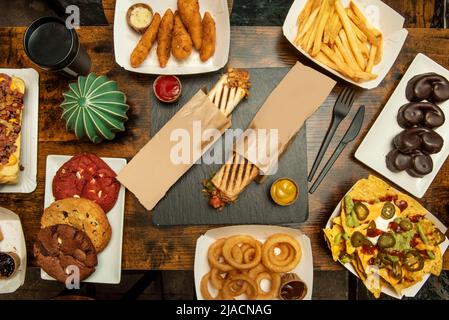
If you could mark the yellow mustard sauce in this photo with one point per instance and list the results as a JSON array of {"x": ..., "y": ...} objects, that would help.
[{"x": 284, "y": 191}]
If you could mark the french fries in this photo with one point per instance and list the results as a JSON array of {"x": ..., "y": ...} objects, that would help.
[{"x": 340, "y": 38}]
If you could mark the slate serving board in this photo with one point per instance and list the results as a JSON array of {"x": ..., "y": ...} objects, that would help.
[{"x": 185, "y": 204}]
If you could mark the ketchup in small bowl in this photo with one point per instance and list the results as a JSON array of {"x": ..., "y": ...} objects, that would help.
[{"x": 167, "y": 88}]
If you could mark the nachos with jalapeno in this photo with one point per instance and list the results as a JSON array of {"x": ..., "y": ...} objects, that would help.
[{"x": 385, "y": 236}]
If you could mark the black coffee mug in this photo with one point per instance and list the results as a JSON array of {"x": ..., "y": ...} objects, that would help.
[{"x": 54, "y": 47}]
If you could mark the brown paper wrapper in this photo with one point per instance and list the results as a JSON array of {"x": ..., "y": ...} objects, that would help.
[
  {"x": 152, "y": 172},
  {"x": 296, "y": 97}
]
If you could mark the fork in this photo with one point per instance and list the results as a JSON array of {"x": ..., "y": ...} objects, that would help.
[{"x": 341, "y": 109}]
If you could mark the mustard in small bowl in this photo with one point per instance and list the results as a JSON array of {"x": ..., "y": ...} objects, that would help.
[{"x": 284, "y": 191}]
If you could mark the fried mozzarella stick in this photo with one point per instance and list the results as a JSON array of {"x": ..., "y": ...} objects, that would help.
[
  {"x": 143, "y": 47},
  {"x": 181, "y": 45},
  {"x": 189, "y": 11},
  {"x": 209, "y": 37},
  {"x": 164, "y": 38},
  {"x": 230, "y": 90}
]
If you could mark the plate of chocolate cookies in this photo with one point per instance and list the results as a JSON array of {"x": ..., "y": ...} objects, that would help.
[
  {"x": 82, "y": 224},
  {"x": 407, "y": 144}
]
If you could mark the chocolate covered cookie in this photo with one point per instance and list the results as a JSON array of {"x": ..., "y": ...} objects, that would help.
[
  {"x": 82, "y": 214},
  {"x": 60, "y": 246}
]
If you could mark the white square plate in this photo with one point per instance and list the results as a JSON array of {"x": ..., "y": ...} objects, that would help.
[
  {"x": 304, "y": 269},
  {"x": 125, "y": 39},
  {"x": 30, "y": 120},
  {"x": 388, "y": 21},
  {"x": 378, "y": 142},
  {"x": 13, "y": 241},
  {"x": 109, "y": 266},
  {"x": 413, "y": 290}
]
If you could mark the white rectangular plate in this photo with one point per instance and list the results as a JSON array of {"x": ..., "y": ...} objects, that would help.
[
  {"x": 13, "y": 241},
  {"x": 378, "y": 142},
  {"x": 30, "y": 121},
  {"x": 125, "y": 39},
  {"x": 110, "y": 259},
  {"x": 413, "y": 290},
  {"x": 304, "y": 269},
  {"x": 388, "y": 21}
]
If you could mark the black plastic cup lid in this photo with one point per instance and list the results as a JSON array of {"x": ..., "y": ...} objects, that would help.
[{"x": 62, "y": 62}]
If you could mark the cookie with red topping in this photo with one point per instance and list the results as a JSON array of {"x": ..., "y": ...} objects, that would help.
[{"x": 87, "y": 176}]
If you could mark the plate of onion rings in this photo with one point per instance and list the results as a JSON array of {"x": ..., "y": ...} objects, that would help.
[{"x": 253, "y": 262}]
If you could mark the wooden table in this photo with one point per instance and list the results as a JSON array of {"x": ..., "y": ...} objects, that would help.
[{"x": 148, "y": 247}]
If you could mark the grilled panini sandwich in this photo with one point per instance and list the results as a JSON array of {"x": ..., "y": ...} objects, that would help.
[
  {"x": 230, "y": 90},
  {"x": 12, "y": 90},
  {"x": 237, "y": 173},
  {"x": 233, "y": 177}
]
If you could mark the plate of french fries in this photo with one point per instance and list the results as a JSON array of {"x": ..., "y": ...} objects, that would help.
[{"x": 356, "y": 40}]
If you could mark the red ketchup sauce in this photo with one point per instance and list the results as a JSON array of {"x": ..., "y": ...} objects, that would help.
[{"x": 167, "y": 88}]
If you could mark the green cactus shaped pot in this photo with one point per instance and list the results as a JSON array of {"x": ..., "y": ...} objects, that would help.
[{"x": 94, "y": 108}]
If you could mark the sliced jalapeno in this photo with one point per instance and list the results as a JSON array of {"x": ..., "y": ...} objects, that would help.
[
  {"x": 413, "y": 261},
  {"x": 386, "y": 240},
  {"x": 357, "y": 239},
  {"x": 361, "y": 211},
  {"x": 406, "y": 225},
  {"x": 388, "y": 211}
]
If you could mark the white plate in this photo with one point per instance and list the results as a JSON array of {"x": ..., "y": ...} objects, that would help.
[
  {"x": 378, "y": 142},
  {"x": 110, "y": 259},
  {"x": 30, "y": 120},
  {"x": 125, "y": 39},
  {"x": 388, "y": 21},
  {"x": 413, "y": 290},
  {"x": 304, "y": 269},
  {"x": 13, "y": 241}
]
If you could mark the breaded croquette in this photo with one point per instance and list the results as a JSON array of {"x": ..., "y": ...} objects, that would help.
[
  {"x": 209, "y": 37},
  {"x": 164, "y": 38},
  {"x": 189, "y": 11},
  {"x": 145, "y": 43}
]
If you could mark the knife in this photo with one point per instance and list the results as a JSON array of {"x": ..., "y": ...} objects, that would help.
[{"x": 350, "y": 135}]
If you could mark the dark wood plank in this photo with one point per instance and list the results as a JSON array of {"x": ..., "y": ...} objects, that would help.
[
  {"x": 149, "y": 247},
  {"x": 417, "y": 13},
  {"x": 109, "y": 8}
]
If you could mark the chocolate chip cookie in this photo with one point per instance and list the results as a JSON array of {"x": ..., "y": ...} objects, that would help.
[
  {"x": 60, "y": 246},
  {"x": 82, "y": 214}
]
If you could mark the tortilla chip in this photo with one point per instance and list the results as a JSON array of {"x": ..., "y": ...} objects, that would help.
[
  {"x": 436, "y": 265},
  {"x": 330, "y": 235}
]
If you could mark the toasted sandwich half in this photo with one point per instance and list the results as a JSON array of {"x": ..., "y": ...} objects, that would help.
[
  {"x": 12, "y": 90},
  {"x": 233, "y": 177}
]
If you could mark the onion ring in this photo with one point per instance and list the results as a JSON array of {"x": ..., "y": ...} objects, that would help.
[
  {"x": 237, "y": 254},
  {"x": 252, "y": 289},
  {"x": 275, "y": 280},
  {"x": 254, "y": 272},
  {"x": 245, "y": 247},
  {"x": 237, "y": 285},
  {"x": 213, "y": 256},
  {"x": 248, "y": 255},
  {"x": 283, "y": 254},
  {"x": 287, "y": 258},
  {"x": 205, "y": 291},
  {"x": 235, "y": 240},
  {"x": 216, "y": 279},
  {"x": 274, "y": 241}
]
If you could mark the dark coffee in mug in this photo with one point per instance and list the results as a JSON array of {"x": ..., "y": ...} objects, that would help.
[{"x": 54, "y": 47}]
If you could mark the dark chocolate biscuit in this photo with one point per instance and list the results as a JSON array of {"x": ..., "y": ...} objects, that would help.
[
  {"x": 427, "y": 86},
  {"x": 59, "y": 246},
  {"x": 421, "y": 114}
]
